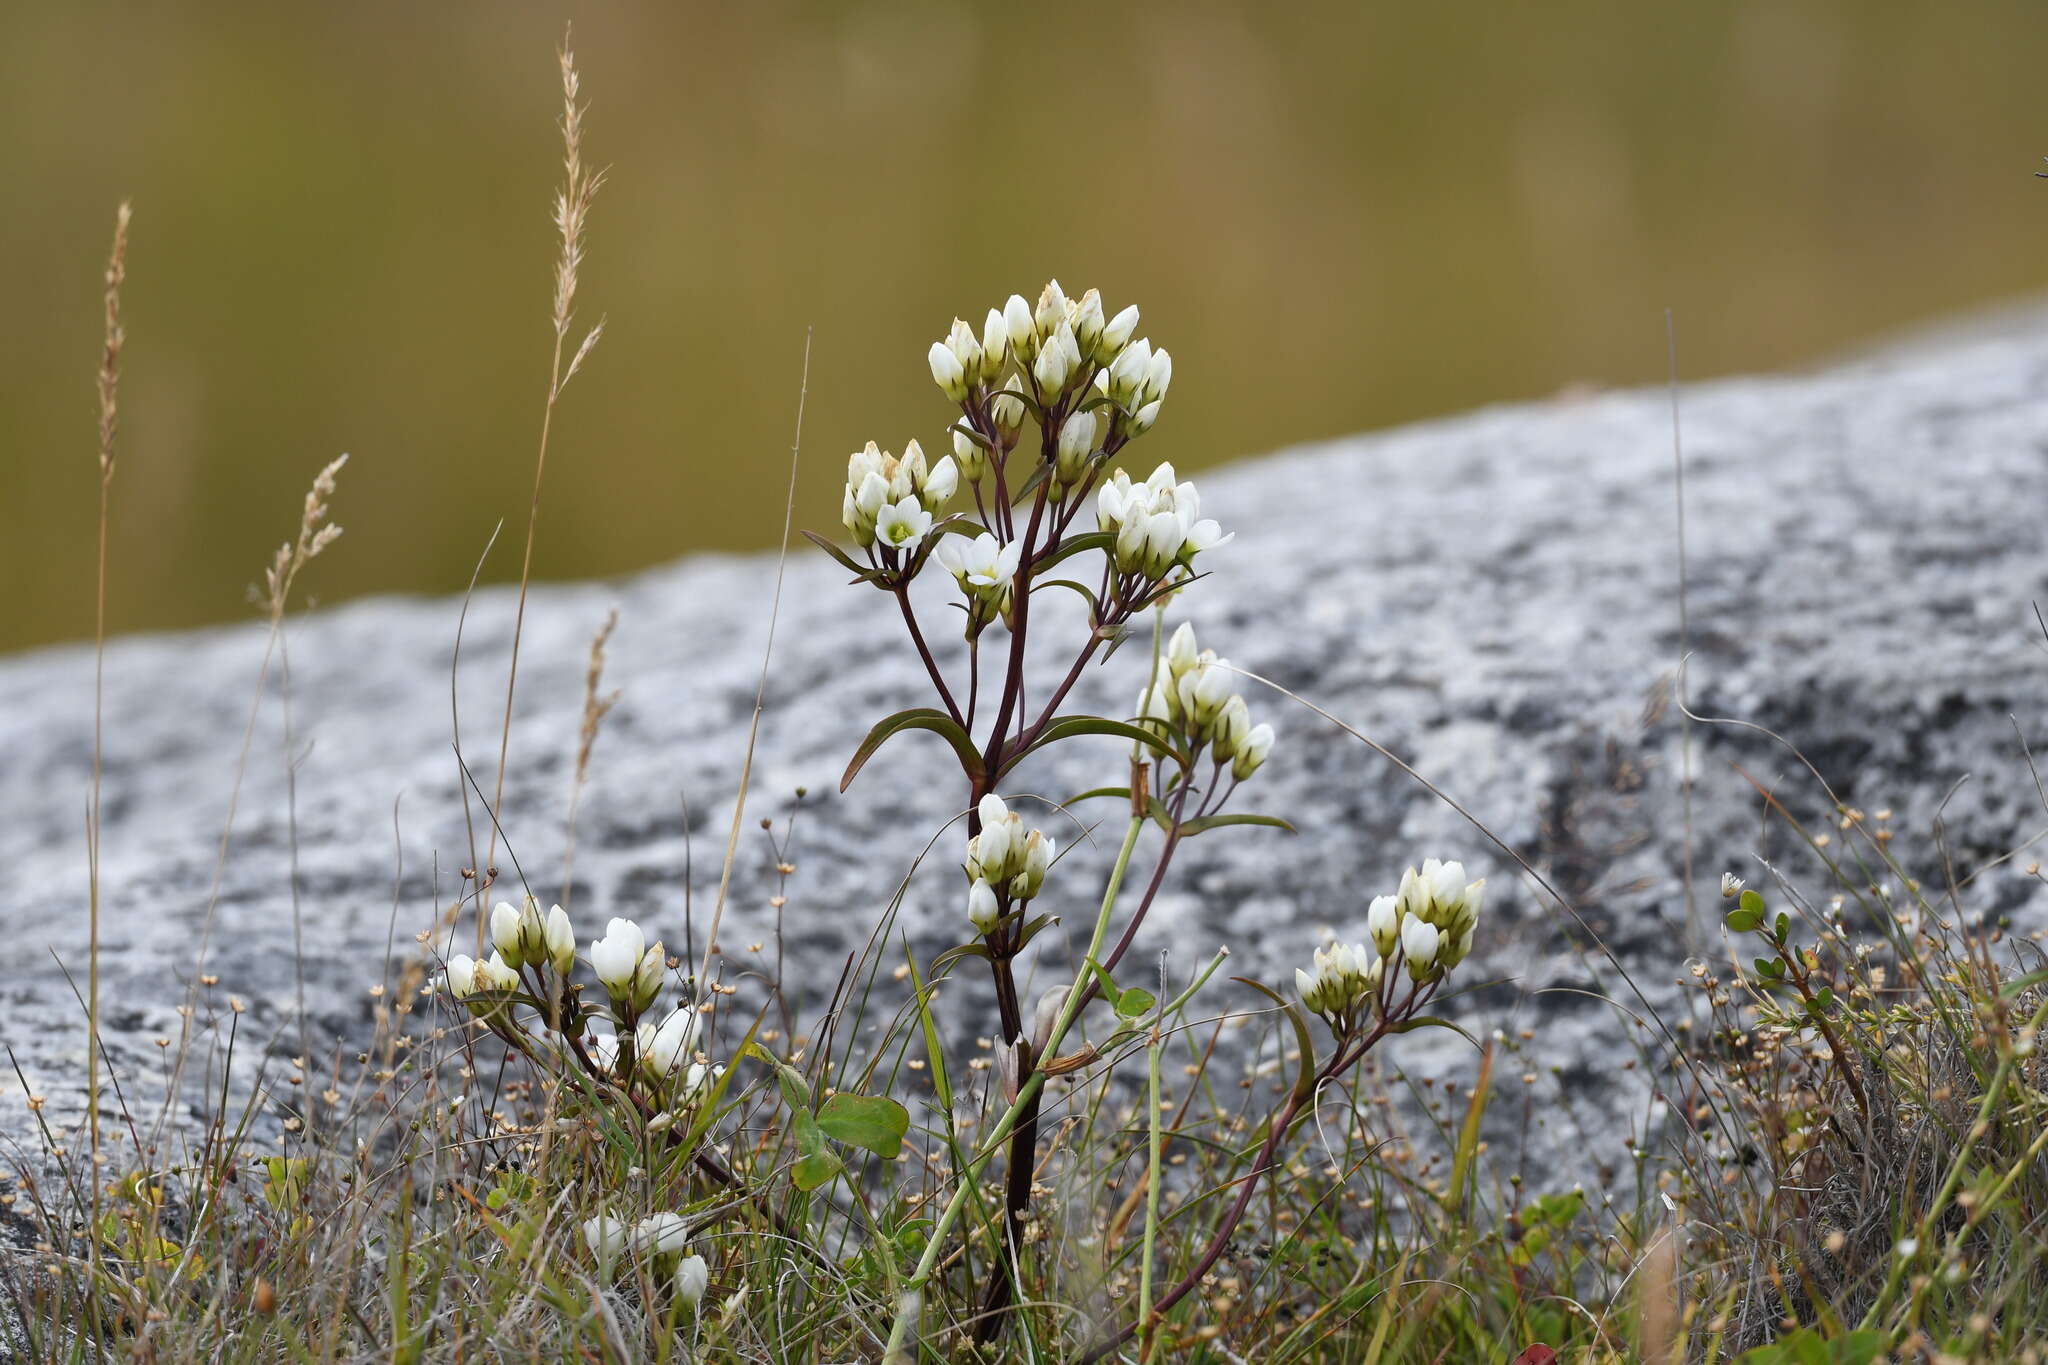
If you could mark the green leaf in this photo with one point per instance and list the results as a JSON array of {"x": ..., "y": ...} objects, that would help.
[
  {"x": 1784, "y": 925},
  {"x": 1135, "y": 1003},
  {"x": 1752, "y": 901},
  {"x": 1742, "y": 921},
  {"x": 1197, "y": 825},
  {"x": 1033, "y": 927},
  {"x": 875, "y": 1122},
  {"x": 1124, "y": 792},
  {"x": 863, "y": 573},
  {"x": 1431, "y": 1021},
  {"x": 918, "y": 718},
  {"x": 953, "y": 955},
  {"x": 796, "y": 1091},
  {"x": 1071, "y": 546},
  {"x": 1071, "y": 727},
  {"x": 818, "y": 1163},
  {"x": 1770, "y": 967},
  {"x": 1086, "y": 593}
]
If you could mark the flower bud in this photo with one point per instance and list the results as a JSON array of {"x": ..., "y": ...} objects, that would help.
[
  {"x": 1116, "y": 334},
  {"x": 982, "y": 909},
  {"x": 1127, "y": 373},
  {"x": 1145, "y": 418},
  {"x": 662, "y": 1234},
  {"x": 1233, "y": 723},
  {"x": 1158, "y": 375},
  {"x": 995, "y": 346},
  {"x": 647, "y": 976},
  {"x": 691, "y": 1279},
  {"x": 505, "y": 933},
  {"x": 606, "y": 1238},
  {"x": 1006, "y": 410},
  {"x": 1034, "y": 858},
  {"x": 1023, "y": 331},
  {"x": 969, "y": 457},
  {"x": 1088, "y": 323},
  {"x": 1052, "y": 309},
  {"x": 559, "y": 940},
  {"x": 960, "y": 341},
  {"x": 1252, "y": 751},
  {"x": 1054, "y": 366},
  {"x": 940, "y": 484},
  {"x": 1076, "y": 444},
  {"x": 1045, "y": 1015},
  {"x": 1419, "y": 942},
  {"x": 1383, "y": 924},
  {"x": 947, "y": 372}
]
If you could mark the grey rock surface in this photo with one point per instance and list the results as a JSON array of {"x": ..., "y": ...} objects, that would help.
[{"x": 1494, "y": 598}]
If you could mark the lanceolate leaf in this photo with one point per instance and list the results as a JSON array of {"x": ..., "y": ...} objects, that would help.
[
  {"x": 862, "y": 571},
  {"x": 919, "y": 718},
  {"x": 1068, "y": 727},
  {"x": 875, "y": 1122},
  {"x": 1073, "y": 545},
  {"x": 1196, "y": 826}
]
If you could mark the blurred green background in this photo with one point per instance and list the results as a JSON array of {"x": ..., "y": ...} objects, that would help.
[{"x": 1337, "y": 216}]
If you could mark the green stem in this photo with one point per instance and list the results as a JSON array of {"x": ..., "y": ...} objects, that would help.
[{"x": 912, "y": 1297}]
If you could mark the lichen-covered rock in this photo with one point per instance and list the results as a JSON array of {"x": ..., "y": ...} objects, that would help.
[{"x": 1494, "y": 598}]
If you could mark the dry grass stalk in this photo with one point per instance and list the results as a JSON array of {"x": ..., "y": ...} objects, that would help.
[{"x": 572, "y": 212}]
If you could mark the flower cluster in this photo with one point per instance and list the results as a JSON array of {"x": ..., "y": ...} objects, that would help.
[
  {"x": 891, "y": 499},
  {"x": 1426, "y": 926},
  {"x": 1089, "y": 382},
  {"x": 1157, "y": 523},
  {"x": 1346, "y": 976},
  {"x": 533, "y": 957},
  {"x": 661, "y": 1239},
  {"x": 1005, "y": 863},
  {"x": 1432, "y": 917},
  {"x": 1192, "y": 693}
]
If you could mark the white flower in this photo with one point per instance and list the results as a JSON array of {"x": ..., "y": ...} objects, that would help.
[
  {"x": 505, "y": 932},
  {"x": 982, "y": 567},
  {"x": 1127, "y": 373},
  {"x": 1158, "y": 376},
  {"x": 616, "y": 957},
  {"x": 1052, "y": 309},
  {"x": 902, "y": 523},
  {"x": 1181, "y": 651},
  {"x": 1233, "y": 723},
  {"x": 939, "y": 485},
  {"x": 960, "y": 341},
  {"x": 995, "y": 346},
  {"x": 1383, "y": 924},
  {"x": 1032, "y": 859},
  {"x": 663, "y": 1047},
  {"x": 496, "y": 975},
  {"x": 1252, "y": 751},
  {"x": 1145, "y": 418},
  {"x": 559, "y": 939},
  {"x": 947, "y": 372},
  {"x": 1419, "y": 941},
  {"x": 692, "y": 1278},
  {"x": 982, "y": 910},
  {"x": 1731, "y": 885},
  {"x": 661, "y": 1234},
  {"x": 698, "y": 1077},
  {"x": 606, "y": 1238},
  {"x": 1343, "y": 977},
  {"x": 1117, "y": 333},
  {"x": 604, "y": 1050},
  {"x": 1018, "y": 322},
  {"x": 1076, "y": 443},
  {"x": 647, "y": 976},
  {"x": 460, "y": 977},
  {"x": 1088, "y": 322},
  {"x": 1054, "y": 366},
  {"x": 1204, "y": 688},
  {"x": 968, "y": 456}
]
